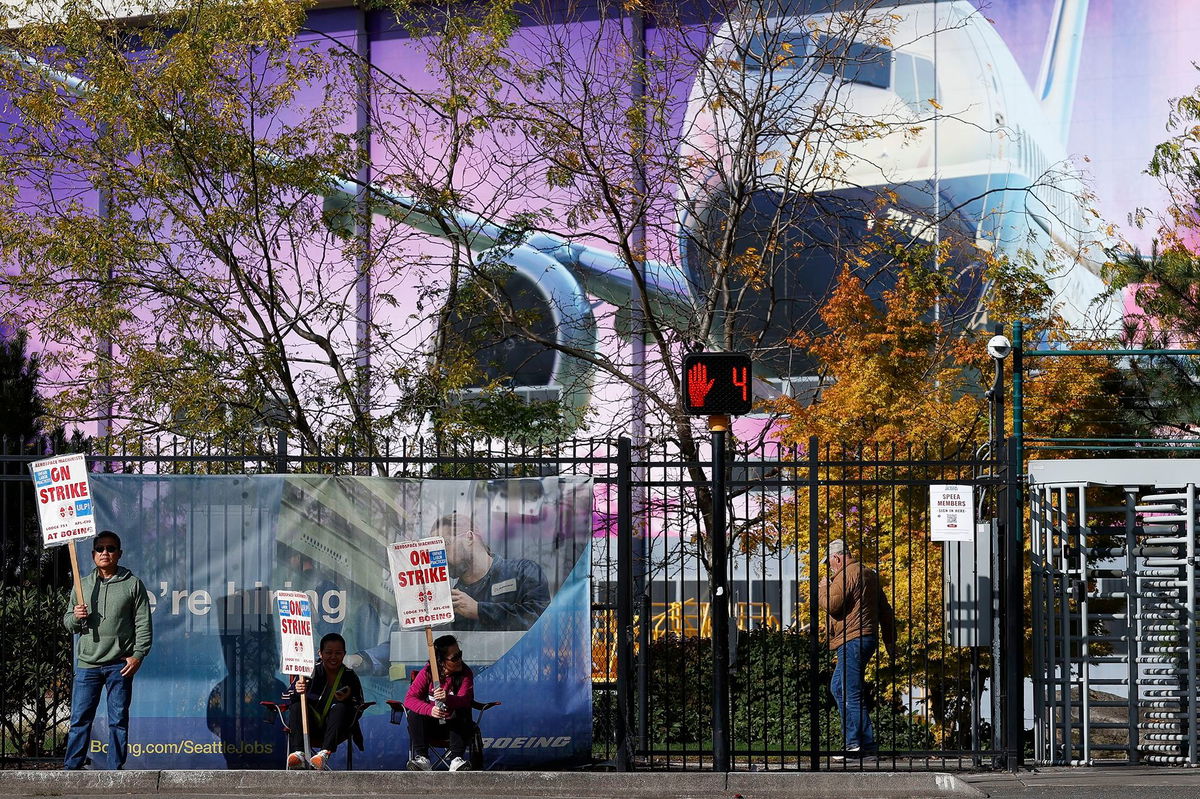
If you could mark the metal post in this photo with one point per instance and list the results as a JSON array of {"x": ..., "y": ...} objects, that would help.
[
  {"x": 814, "y": 643},
  {"x": 1014, "y": 613},
  {"x": 281, "y": 451},
  {"x": 1018, "y": 403},
  {"x": 996, "y": 397},
  {"x": 362, "y": 221},
  {"x": 1013, "y": 561},
  {"x": 624, "y": 601},
  {"x": 719, "y": 597},
  {"x": 637, "y": 342}
]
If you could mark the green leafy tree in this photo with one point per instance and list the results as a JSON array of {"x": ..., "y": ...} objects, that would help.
[
  {"x": 1165, "y": 282},
  {"x": 235, "y": 248},
  {"x": 32, "y": 579},
  {"x": 23, "y": 560}
]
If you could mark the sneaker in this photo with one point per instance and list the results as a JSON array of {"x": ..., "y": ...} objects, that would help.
[
  {"x": 419, "y": 763},
  {"x": 853, "y": 753},
  {"x": 458, "y": 764},
  {"x": 295, "y": 760},
  {"x": 320, "y": 759}
]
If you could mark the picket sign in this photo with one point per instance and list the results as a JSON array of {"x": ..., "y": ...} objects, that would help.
[
  {"x": 64, "y": 500},
  {"x": 421, "y": 581},
  {"x": 296, "y": 646}
]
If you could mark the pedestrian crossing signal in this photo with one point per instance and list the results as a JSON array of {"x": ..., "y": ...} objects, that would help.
[{"x": 717, "y": 384}]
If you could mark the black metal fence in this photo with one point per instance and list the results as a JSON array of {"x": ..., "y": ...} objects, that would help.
[{"x": 934, "y": 701}]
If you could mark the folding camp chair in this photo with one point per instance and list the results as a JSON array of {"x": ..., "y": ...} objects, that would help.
[
  {"x": 281, "y": 712},
  {"x": 439, "y": 746}
]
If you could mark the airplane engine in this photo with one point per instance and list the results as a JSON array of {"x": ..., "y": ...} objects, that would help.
[{"x": 550, "y": 303}]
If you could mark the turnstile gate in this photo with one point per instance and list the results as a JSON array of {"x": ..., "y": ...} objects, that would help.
[{"x": 1113, "y": 570}]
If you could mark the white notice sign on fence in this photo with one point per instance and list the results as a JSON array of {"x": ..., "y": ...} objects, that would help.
[{"x": 951, "y": 513}]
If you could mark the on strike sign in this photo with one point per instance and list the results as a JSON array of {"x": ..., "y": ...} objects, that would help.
[
  {"x": 951, "y": 513},
  {"x": 295, "y": 633},
  {"x": 421, "y": 582},
  {"x": 64, "y": 499}
]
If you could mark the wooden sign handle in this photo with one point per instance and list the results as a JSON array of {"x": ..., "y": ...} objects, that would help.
[
  {"x": 433, "y": 669},
  {"x": 304, "y": 725},
  {"x": 75, "y": 573}
]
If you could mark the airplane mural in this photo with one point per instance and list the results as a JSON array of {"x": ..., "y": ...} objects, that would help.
[
  {"x": 984, "y": 169},
  {"x": 989, "y": 170}
]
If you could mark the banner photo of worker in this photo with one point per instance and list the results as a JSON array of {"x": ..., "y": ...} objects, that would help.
[{"x": 213, "y": 549}]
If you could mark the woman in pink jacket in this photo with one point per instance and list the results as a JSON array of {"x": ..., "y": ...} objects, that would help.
[{"x": 443, "y": 710}]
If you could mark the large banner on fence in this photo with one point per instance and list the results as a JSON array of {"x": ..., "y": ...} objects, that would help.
[{"x": 211, "y": 550}]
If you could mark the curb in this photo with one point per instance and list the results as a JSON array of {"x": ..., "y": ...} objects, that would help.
[{"x": 549, "y": 784}]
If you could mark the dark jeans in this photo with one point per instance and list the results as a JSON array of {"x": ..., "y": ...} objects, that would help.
[
  {"x": 426, "y": 730},
  {"x": 848, "y": 687},
  {"x": 325, "y": 734},
  {"x": 85, "y": 698}
]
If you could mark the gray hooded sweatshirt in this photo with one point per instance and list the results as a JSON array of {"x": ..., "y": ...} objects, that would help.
[{"x": 118, "y": 624}]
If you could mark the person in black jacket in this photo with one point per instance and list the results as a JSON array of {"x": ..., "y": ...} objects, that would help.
[{"x": 333, "y": 694}]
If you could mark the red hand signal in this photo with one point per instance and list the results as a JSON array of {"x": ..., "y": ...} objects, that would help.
[{"x": 698, "y": 384}]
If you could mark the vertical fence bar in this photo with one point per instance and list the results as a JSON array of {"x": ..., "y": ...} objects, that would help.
[
  {"x": 1085, "y": 702},
  {"x": 624, "y": 600},
  {"x": 814, "y": 663},
  {"x": 1038, "y": 568},
  {"x": 1188, "y": 697},
  {"x": 1132, "y": 611},
  {"x": 1068, "y": 620}
]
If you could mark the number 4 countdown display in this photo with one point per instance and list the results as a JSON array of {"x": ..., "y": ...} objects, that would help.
[{"x": 717, "y": 383}]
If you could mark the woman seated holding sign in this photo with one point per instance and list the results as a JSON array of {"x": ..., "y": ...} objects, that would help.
[
  {"x": 333, "y": 696},
  {"x": 441, "y": 710}
]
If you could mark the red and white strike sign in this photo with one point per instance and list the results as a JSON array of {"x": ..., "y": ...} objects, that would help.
[
  {"x": 421, "y": 582},
  {"x": 64, "y": 499},
  {"x": 296, "y": 654}
]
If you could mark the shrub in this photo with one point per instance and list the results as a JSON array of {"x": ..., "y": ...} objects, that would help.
[{"x": 38, "y": 673}]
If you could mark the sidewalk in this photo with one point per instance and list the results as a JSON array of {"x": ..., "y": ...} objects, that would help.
[
  {"x": 1048, "y": 783},
  {"x": 1089, "y": 782},
  {"x": 512, "y": 784}
]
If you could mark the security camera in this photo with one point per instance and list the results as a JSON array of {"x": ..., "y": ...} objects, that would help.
[{"x": 999, "y": 347}]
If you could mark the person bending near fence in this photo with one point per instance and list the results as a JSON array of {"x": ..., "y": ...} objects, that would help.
[
  {"x": 333, "y": 694},
  {"x": 442, "y": 710},
  {"x": 859, "y": 614}
]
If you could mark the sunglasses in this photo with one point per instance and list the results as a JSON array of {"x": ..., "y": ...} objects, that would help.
[
  {"x": 106, "y": 548},
  {"x": 454, "y": 658}
]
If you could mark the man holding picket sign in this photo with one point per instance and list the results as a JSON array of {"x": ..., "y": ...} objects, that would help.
[
  {"x": 422, "y": 585},
  {"x": 108, "y": 611}
]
